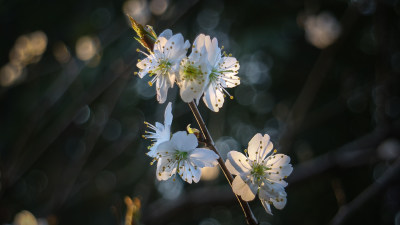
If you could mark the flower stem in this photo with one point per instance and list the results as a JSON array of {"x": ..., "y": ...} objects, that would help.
[{"x": 250, "y": 218}]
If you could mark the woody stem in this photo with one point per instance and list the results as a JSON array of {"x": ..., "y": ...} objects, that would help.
[{"x": 250, "y": 218}]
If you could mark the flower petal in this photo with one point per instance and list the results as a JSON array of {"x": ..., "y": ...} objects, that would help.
[
  {"x": 162, "y": 89},
  {"x": 199, "y": 41},
  {"x": 168, "y": 115},
  {"x": 196, "y": 173},
  {"x": 279, "y": 202},
  {"x": 144, "y": 66},
  {"x": 166, "y": 34},
  {"x": 246, "y": 191},
  {"x": 278, "y": 160},
  {"x": 266, "y": 206},
  {"x": 166, "y": 148},
  {"x": 213, "y": 97},
  {"x": 213, "y": 52},
  {"x": 183, "y": 141},
  {"x": 159, "y": 46},
  {"x": 269, "y": 190},
  {"x": 186, "y": 172},
  {"x": 174, "y": 47},
  {"x": 259, "y": 147},
  {"x": 202, "y": 157},
  {"x": 239, "y": 163},
  {"x": 165, "y": 169}
]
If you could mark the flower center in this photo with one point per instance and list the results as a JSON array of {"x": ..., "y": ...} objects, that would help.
[
  {"x": 258, "y": 171},
  {"x": 214, "y": 75},
  {"x": 163, "y": 66},
  {"x": 181, "y": 155},
  {"x": 191, "y": 72}
]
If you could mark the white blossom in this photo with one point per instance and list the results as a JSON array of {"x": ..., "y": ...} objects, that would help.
[
  {"x": 193, "y": 73},
  {"x": 222, "y": 75},
  {"x": 262, "y": 171},
  {"x": 181, "y": 155},
  {"x": 163, "y": 63},
  {"x": 161, "y": 132}
]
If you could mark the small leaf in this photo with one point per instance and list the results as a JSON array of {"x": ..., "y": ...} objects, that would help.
[{"x": 146, "y": 35}]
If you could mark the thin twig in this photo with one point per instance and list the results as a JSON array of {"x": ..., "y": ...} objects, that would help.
[
  {"x": 71, "y": 173},
  {"x": 383, "y": 182},
  {"x": 250, "y": 218}
]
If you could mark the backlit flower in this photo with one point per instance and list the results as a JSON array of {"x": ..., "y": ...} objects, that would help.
[
  {"x": 193, "y": 73},
  {"x": 262, "y": 171},
  {"x": 163, "y": 63},
  {"x": 222, "y": 75},
  {"x": 181, "y": 155},
  {"x": 161, "y": 132}
]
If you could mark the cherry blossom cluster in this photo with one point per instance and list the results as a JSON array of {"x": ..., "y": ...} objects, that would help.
[{"x": 205, "y": 72}]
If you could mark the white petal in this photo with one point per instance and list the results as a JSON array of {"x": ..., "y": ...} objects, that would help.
[
  {"x": 231, "y": 168},
  {"x": 166, "y": 34},
  {"x": 144, "y": 66},
  {"x": 190, "y": 91},
  {"x": 162, "y": 86},
  {"x": 160, "y": 127},
  {"x": 183, "y": 141},
  {"x": 168, "y": 115},
  {"x": 186, "y": 173},
  {"x": 239, "y": 162},
  {"x": 199, "y": 41},
  {"x": 166, "y": 148},
  {"x": 175, "y": 48},
  {"x": 196, "y": 173},
  {"x": 153, "y": 151},
  {"x": 268, "y": 191},
  {"x": 278, "y": 160},
  {"x": 229, "y": 62},
  {"x": 203, "y": 158},
  {"x": 213, "y": 52},
  {"x": 159, "y": 46},
  {"x": 230, "y": 66},
  {"x": 279, "y": 204},
  {"x": 246, "y": 191},
  {"x": 277, "y": 174},
  {"x": 266, "y": 206},
  {"x": 286, "y": 170},
  {"x": 213, "y": 97},
  {"x": 259, "y": 147},
  {"x": 186, "y": 45},
  {"x": 165, "y": 174}
]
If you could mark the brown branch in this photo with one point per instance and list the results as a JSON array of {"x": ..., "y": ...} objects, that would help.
[
  {"x": 142, "y": 33},
  {"x": 250, "y": 218},
  {"x": 352, "y": 154}
]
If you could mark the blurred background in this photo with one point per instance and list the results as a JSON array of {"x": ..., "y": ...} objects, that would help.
[{"x": 320, "y": 77}]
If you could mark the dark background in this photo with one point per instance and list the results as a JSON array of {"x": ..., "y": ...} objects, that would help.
[{"x": 320, "y": 77}]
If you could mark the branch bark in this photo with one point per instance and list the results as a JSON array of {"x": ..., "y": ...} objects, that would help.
[{"x": 250, "y": 218}]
